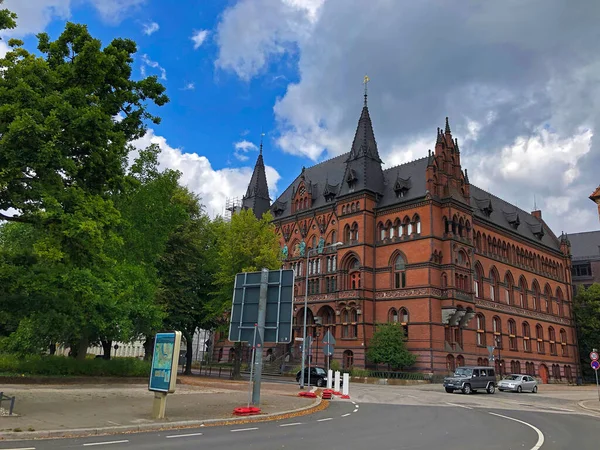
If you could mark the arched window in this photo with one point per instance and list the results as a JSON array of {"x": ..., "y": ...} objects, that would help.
[
  {"x": 399, "y": 228},
  {"x": 403, "y": 313},
  {"x": 480, "y": 330},
  {"x": 508, "y": 293},
  {"x": 522, "y": 292},
  {"x": 539, "y": 335},
  {"x": 353, "y": 207},
  {"x": 393, "y": 316},
  {"x": 552, "y": 340},
  {"x": 381, "y": 231},
  {"x": 460, "y": 361},
  {"x": 512, "y": 335},
  {"x": 390, "y": 229},
  {"x": 559, "y": 303},
  {"x": 348, "y": 360},
  {"x": 417, "y": 224},
  {"x": 347, "y": 234},
  {"x": 477, "y": 281},
  {"x": 333, "y": 237},
  {"x": 399, "y": 272},
  {"x": 354, "y": 231},
  {"x": 444, "y": 280},
  {"x": 497, "y": 329},
  {"x": 548, "y": 299},
  {"x": 563, "y": 342},
  {"x": 349, "y": 323},
  {"x": 536, "y": 297},
  {"x": 526, "y": 337},
  {"x": 493, "y": 286},
  {"x": 450, "y": 364},
  {"x": 408, "y": 225}
]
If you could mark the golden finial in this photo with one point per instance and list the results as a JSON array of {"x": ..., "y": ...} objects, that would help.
[{"x": 366, "y": 80}]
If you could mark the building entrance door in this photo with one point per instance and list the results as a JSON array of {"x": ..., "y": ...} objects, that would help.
[{"x": 544, "y": 373}]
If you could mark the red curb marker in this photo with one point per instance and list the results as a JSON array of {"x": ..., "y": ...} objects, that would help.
[
  {"x": 337, "y": 393},
  {"x": 345, "y": 397},
  {"x": 246, "y": 411},
  {"x": 327, "y": 393},
  {"x": 307, "y": 394}
]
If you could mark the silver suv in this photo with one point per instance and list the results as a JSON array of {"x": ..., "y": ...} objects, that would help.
[{"x": 470, "y": 379}]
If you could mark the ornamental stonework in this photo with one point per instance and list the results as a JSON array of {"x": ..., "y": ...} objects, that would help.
[{"x": 514, "y": 310}]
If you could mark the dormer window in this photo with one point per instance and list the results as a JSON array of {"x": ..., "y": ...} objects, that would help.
[
  {"x": 278, "y": 208},
  {"x": 485, "y": 206},
  {"x": 402, "y": 186},
  {"x": 351, "y": 178}
]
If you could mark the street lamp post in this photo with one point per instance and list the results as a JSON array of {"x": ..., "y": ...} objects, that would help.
[{"x": 337, "y": 244}]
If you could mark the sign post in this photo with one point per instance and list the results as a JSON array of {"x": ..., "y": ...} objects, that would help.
[
  {"x": 595, "y": 365},
  {"x": 261, "y": 311},
  {"x": 329, "y": 342},
  {"x": 163, "y": 374}
]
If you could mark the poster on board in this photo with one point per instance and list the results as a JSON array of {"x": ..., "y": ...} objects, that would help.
[{"x": 163, "y": 373}]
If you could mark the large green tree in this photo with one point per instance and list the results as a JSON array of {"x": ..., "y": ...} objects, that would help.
[
  {"x": 247, "y": 244},
  {"x": 387, "y": 346},
  {"x": 66, "y": 120},
  {"x": 187, "y": 269},
  {"x": 586, "y": 308}
]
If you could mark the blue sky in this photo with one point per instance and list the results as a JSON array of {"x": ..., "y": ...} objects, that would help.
[{"x": 522, "y": 95}]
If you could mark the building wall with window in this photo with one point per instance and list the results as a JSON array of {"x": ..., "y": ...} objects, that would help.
[
  {"x": 585, "y": 250},
  {"x": 458, "y": 268}
]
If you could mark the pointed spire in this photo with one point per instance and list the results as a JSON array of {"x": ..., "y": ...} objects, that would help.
[
  {"x": 439, "y": 136},
  {"x": 466, "y": 177},
  {"x": 366, "y": 82},
  {"x": 447, "y": 126},
  {"x": 364, "y": 143},
  {"x": 257, "y": 194}
]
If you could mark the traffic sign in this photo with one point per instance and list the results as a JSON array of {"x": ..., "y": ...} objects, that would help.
[
  {"x": 595, "y": 365},
  {"x": 279, "y": 308},
  {"x": 328, "y": 350},
  {"x": 491, "y": 350},
  {"x": 329, "y": 339},
  {"x": 594, "y": 356}
]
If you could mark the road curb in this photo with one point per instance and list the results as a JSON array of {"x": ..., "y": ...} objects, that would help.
[
  {"x": 317, "y": 405},
  {"x": 581, "y": 404}
]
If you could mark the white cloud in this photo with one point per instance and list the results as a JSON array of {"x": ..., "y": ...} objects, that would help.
[
  {"x": 149, "y": 28},
  {"x": 198, "y": 37},
  {"x": 189, "y": 87},
  {"x": 213, "y": 186},
  {"x": 243, "y": 147},
  {"x": 35, "y": 15},
  {"x": 153, "y": 64},
  {"x": 114, "y": 11},
  {"x": 253, "y": 31}
]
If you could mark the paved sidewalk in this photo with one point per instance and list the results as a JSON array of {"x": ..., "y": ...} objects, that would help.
[
  {"x": 591, "y": 405},
  {"x": 65, "y": 407}
]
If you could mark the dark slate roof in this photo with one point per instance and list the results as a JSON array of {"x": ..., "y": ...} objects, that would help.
[
  {"x": 327, "y": 175},
  {"x": 257, "y": 195},
  {"x": 503, "y": 213},
  {"x": 585, "y": 246}
]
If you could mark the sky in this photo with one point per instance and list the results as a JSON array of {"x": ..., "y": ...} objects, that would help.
[{"x": 520, "y": 81}]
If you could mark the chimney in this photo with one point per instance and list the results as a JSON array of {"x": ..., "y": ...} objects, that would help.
[{"x": 537, "y": 214}]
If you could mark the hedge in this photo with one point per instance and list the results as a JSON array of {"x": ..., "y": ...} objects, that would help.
[{"x": 64, "y": 366}]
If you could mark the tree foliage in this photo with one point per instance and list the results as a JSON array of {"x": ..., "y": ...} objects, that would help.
[
  {"x": 586, "y": 309},
  {"x": 388, "y": 347}
]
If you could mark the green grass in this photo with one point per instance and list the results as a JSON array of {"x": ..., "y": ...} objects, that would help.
[{"x": 13, "y": 365}]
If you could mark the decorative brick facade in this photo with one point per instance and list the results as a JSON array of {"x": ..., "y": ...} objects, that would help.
[{"x": 459, "y": 268}]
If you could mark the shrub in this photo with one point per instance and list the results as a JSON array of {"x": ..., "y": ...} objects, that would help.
[
  {"x": 335, "y": 365},
  {"x": 64, "y": 366},
  {"x": 357, "y": 372}
]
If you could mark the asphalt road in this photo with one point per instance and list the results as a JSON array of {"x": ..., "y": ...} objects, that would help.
[{"x": 345, "y": 425}]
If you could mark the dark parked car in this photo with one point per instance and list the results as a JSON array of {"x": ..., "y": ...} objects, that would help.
[
  {"x": 470, "y": 379},
  {"x": 318, "y": 376}
]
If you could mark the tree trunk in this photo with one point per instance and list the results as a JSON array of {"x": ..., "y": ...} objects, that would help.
[
  {"x": 106, "y": 349},
  {"x": 82, "y": 348},
  {"x": 237, "y": 361},
  {"x": 148, "y": 347},
  {"x": 189, "y": 353},
  {"x": 53, "y": 349}
]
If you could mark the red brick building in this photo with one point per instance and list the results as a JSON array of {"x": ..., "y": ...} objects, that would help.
[{"x": 459, "y": 268}]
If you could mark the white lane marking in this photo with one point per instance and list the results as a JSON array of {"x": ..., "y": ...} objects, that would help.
[
  {"x": 22, "y": 448},
  {"x": 105, "y": 443},
  {"x": 346, "y": 415},
  {"x": 412, "y": 396},
  {"x": 354, "y": 403},
  {"x": 244, "y": 429},
  {"x": 291, "y": 424},
  {"x": 325, "y": 420},
  {"x": 460, "y": 406},
  {"x": 183, "y": 435},
  {"x": 356, "y": 410},
  {"x": 540, "y": 440},
  {"x": 358, "y": 406},
  {"x": 561, "y": 409}
]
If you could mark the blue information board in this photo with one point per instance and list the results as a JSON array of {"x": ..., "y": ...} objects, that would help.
[{"x": 164, "y": 362}]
